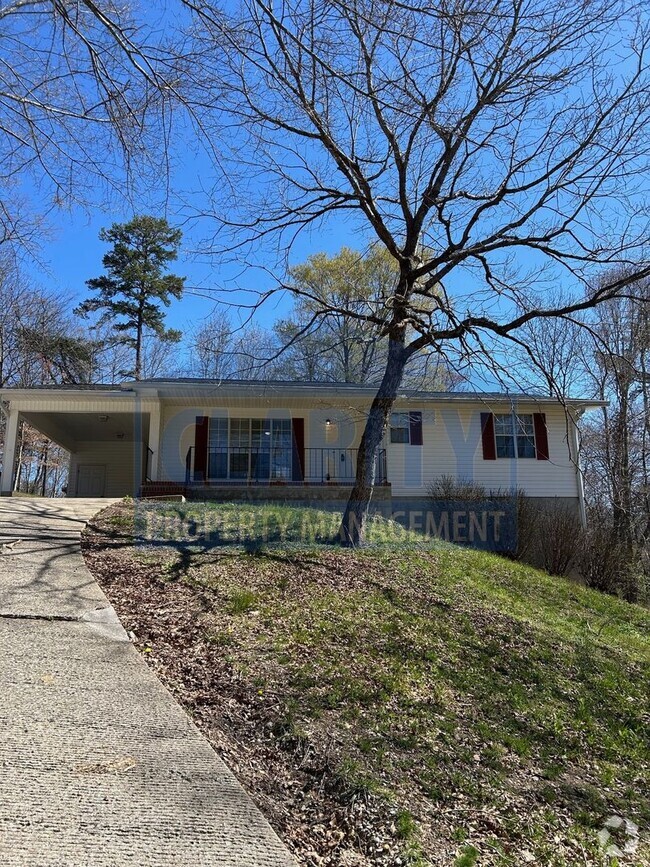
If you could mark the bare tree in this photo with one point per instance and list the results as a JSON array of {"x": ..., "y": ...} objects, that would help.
[
  {"x": 617, "y": 445},
  {"x": 40, "y": 343},
  {"x": 111, "y": 357},
  {"x": 83, "y": 87},
  {"x": 605, "y": 355},
  {"x": 222, "y": 349},
  {"x": 494, "y": 149},
  {"x": 553, "y": 355},
  {"x": 212, "y": 348},
  {"x": 14, "y": 297}
]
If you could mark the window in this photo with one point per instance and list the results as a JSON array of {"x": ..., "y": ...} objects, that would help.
[
  {"x": 281, "y": 448},
  {"x": 239, "y": 432},
  {"x": 400, "y": 427},
  {"x": 515, "y": 436},
  {"x": 250, "y": 448},
  {"x": 218, "y": 449},
  {"x": 406, "y": 427}
]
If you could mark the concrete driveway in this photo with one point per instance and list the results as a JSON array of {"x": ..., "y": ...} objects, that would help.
[{"x": 99, "y": 766}]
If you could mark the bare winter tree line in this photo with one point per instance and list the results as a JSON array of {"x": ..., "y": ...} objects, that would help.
[{"x": 85, "y": 95}]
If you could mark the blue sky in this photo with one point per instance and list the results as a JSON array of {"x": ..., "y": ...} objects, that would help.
[{"x": 73, "y": 254}]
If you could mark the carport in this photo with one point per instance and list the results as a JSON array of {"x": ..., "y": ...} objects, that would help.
[{"x": 110, "y": 433}]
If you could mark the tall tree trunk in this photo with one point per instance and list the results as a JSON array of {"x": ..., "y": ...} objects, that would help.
[
  {"x": 355, "y": 517},
  {"x": 622, "y": 505},
  {"x": 137, "y": 374},
  {"x": 645, "y": 436},
  {"x": 46, "y": 448}
]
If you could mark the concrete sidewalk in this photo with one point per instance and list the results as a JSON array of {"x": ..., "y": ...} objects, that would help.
[{"x": 99, "y": 766}]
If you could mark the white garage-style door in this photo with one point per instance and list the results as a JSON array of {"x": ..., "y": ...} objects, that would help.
[{"x": 91, "y": 480}]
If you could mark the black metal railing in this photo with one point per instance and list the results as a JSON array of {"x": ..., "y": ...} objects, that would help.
[
  {"x": 339, "y": 465},
  {"x": 283, "y": 465},
  {"x": 148, "y": 462}
]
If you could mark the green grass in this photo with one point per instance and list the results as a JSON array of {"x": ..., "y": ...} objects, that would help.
[
  {"x": 468, "y": 857},
  {"x": 241, "y": 600},
  {"x": 451, "y": 680}
]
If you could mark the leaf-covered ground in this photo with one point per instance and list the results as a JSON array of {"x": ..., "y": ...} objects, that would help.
[{"x": 409, "y": 703}]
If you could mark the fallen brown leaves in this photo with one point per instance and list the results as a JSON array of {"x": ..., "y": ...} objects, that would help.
[
  {"x": 292, "y": 783},
  {"x": 234, "y": 682}
]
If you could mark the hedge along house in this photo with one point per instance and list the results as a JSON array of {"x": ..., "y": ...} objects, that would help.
[{"x": 295, "y": 441}]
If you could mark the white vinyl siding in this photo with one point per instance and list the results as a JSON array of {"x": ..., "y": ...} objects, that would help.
[
  {"x": 451, "y": 443},
  {"x": 452, "y": 446}
]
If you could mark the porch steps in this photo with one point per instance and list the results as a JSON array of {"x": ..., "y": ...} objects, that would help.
[{"x": 160, "y": 490}]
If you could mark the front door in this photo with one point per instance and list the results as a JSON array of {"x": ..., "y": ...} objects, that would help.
[{"x": 91, "y": 479}]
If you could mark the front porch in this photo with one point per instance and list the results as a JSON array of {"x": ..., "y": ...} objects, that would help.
[
  {"x": 120, "y": 443},
  {"x": 277, "y": 466},
  {"x": 255, "y": 474}
]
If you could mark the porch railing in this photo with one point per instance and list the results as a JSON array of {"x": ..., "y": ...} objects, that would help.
[
  {"x": 280, "y": 466},
  {"x": 147, "y": 464}
]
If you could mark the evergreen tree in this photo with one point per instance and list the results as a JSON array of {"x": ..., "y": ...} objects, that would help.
[{"x": 135, "y": 284}]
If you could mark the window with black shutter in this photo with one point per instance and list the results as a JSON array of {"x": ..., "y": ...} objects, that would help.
[
  {"x": 406, "y": 428},
  {"x": 514, "y": 435}
]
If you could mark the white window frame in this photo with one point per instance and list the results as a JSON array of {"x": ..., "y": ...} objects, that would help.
[
  {"x": 515, "y": 434},
  {"x": 395, "y": 427}
]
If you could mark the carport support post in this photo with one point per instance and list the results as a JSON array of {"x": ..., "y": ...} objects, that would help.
[
  {"x": 154, "y": 441},
  {"x": 9, "y": 453}
]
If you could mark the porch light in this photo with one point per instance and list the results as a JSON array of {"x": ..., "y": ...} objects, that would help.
[
  {"x": 120, "y": 436},
  {"x": 102, "y": 417},
  {"x": 328, "y": 422}
]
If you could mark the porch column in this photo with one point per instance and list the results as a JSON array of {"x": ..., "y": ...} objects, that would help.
[
  {"x": 154, "y": 441},
  {"x": 9, "y": 453}
]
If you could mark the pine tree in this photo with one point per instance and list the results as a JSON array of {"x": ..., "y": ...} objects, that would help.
[{"x": 135, "y": 284}]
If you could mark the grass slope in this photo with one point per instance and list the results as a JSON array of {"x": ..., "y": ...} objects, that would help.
[{"x": 407, "y": 703}]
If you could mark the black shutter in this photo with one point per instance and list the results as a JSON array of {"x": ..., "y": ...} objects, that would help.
[
  {"x": 487, "y": 437},
  {"x": 201, "y": 448},
  {"x": 298, "y": 449},
  {"x": 415, "y": 424}
]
